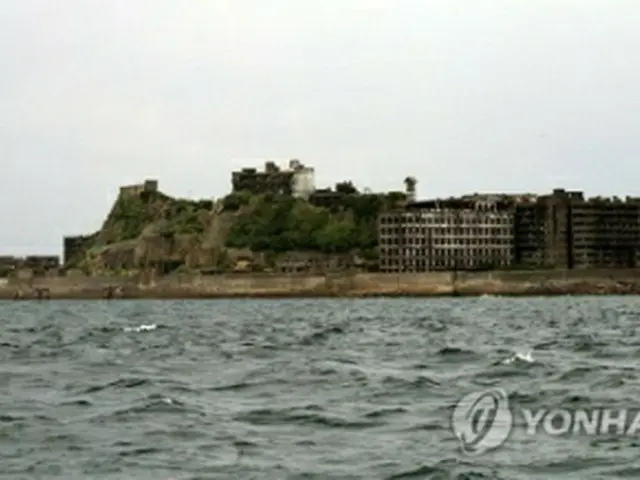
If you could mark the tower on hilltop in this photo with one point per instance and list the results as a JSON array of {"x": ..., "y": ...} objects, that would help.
[{"x": 410, "y": 183}]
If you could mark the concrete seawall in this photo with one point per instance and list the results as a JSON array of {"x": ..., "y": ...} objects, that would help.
[{"x": 542, "y": 282}]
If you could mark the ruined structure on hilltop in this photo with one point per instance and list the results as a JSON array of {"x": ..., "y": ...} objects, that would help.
[{"x": 298, "y": 180}]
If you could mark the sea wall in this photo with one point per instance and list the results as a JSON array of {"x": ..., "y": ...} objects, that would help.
[{"x": 345, "y": 284}]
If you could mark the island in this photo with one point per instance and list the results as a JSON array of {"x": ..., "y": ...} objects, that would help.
[{"x": 274, "y": 235}]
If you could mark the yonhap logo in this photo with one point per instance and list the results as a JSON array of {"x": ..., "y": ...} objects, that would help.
[{"x": 482, "y": 421}]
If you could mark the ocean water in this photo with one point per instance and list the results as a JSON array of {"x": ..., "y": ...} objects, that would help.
[{"x": 293, "y": 389}]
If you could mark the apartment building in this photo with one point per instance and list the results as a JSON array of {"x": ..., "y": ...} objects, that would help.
[
  {"x": 454, "y": 234},
  {"x": 565, "y": 230},
  {"x": 559, "y": 230}
]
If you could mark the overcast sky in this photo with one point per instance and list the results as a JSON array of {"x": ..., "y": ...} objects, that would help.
[{"x": 468, "y": 96}]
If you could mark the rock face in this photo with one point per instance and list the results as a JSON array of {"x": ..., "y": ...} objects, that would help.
[{"x": 148, "y": 229}]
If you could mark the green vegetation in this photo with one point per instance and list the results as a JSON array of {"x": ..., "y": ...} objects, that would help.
[
  {"x": 132, "y": 214},
  {"x": 279, "y": 224},
  {"x": 265, "y": 223},
  {"x": 185, "y": 217},
  {"x": 234, "y": 201},
  {"x": 153, "y": 228}
]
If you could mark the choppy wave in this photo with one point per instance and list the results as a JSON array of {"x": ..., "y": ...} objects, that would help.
[{"x": 305, "y": 389}]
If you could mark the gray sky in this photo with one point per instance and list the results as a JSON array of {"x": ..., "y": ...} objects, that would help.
[{"x": 468, "y": 96}]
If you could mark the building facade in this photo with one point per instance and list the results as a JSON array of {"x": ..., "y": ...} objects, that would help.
[
  {"x": 447, "y": 235},
  {"x": 565, "y": 230},
  {"x": 559, "y": 230},
  {"x": 298, "y": 180},
  {"x": 74, "y": 246}
]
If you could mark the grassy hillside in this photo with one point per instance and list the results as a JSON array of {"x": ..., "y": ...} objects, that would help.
[{"x": 153, "y": 229}]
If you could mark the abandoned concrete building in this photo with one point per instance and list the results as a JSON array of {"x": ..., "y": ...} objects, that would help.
[
  {"x": 565, "y": 230},
  {"x": 148, "y": 186},
  {"x": 559, "y": 230},
  {"x": 298, "y": 180},
  {"x": 452, "y": 234},
  {"x": 40, "y": 264},
  {"x": 74, "y": 245}
]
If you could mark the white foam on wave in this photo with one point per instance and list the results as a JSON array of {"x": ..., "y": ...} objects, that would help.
[
  {"x": 526, "y": 356},
  {"x": 141, "y": 328}
]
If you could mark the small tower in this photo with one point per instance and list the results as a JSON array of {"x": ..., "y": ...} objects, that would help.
[{"x": 410, "y": 188}]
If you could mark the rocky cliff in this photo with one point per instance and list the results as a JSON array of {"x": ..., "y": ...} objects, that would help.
[
  {"x": 148, "y": 228},
  {"x": 152, "y": 229}
]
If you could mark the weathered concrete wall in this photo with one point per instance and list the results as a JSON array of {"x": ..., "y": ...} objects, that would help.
[
  {"x": 433, "y": 283},
  {"x": 532, "y": 276},
  {"x": 234, "y": 284},
  {"x": 89, "y": 284},
  {"x": 72, "y": 284}
]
